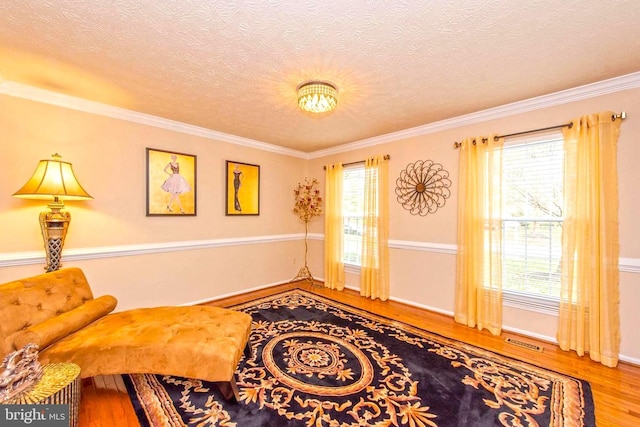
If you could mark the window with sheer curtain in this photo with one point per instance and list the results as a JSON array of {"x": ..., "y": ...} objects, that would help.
[
  {"x": 353, "y": 212},
  {"x": 532, "y": 219}
]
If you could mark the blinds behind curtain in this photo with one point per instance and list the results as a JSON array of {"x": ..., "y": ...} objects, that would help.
[{"x": 374, "y": 271}]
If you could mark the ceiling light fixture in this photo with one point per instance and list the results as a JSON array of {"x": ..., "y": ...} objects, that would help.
[{"x": 317, "y": 97}]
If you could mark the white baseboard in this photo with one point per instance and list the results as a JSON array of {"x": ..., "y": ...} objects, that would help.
[
  {"x": 233, "y": 294},
  {"x": 529, "y": 334}
]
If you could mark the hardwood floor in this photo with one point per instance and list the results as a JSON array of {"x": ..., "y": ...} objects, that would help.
[{"x": 616, "y": 391}]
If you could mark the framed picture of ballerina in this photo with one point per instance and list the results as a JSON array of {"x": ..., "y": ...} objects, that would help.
[
  {"x": 243, "y": 189},
  {"x": 171, "y": 183}
]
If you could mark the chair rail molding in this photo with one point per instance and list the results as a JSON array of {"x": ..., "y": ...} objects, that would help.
[
  {"x": 37, "y": 257},
  {"x": 10, "y": 259}
]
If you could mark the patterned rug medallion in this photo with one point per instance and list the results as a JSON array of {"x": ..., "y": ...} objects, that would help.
[{"x": 316, "y": 362}]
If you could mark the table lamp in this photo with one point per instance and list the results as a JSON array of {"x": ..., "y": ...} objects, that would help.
[{"x": 55, "y": 179}]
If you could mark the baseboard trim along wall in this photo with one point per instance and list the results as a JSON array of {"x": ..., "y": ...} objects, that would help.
[
  {"x": 234, "y": 294},
  {"x": 540, "y": 337}
]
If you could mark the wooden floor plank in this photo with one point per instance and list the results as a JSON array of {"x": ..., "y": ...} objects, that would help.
[{"x": 616, "y": 391}]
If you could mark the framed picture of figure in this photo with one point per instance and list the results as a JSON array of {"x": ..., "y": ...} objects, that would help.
[
  {"x": 243, "y": 189},
  {"x": 171, "y": 183}
]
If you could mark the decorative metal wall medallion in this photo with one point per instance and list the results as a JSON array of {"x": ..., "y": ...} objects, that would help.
[{"x": 423, "y": 187}]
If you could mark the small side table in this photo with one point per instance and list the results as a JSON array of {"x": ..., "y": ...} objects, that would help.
[{"x": 59, "y": 385}]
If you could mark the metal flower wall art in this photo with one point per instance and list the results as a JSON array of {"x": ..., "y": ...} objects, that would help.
[{"x": 423, "y": 187}]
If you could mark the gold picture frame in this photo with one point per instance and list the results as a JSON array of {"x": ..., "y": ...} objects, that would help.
[
  {"x": 242, "y": 195},
  {"x": 171, "y": 183}
]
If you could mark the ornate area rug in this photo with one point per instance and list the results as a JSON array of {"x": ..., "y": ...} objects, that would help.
[{"x": 316, "y": 362}]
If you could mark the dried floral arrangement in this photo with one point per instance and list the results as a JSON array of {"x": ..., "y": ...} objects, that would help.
[{"x": 308, "y": 201}]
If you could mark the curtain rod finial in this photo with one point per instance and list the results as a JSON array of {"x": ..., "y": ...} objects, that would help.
[{"x": 621, "y": 115}]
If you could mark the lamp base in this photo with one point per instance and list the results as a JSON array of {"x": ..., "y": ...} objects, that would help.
[
  {"x": 54, "y": 254},
  {"x": 54, "y": 224},
  {"x": 305, "y": 274}
]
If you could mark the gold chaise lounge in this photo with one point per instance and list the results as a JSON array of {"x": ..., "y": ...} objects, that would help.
[{"x": 57, "y": 312}]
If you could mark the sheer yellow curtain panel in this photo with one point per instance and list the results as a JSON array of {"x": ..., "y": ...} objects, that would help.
[
  {"x": 333, "y": 265},
  {"x": 478, "y": 297},
  {"x": 589, "y": 319},
  {"x": 374, "y": 271}
]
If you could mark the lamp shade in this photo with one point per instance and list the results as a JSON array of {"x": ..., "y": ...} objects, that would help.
[{"x": 53, "y": 178}]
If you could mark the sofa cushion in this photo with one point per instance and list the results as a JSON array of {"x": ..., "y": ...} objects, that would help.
[
  {"x": 51, "y": 330},
  {"x": 32, "y": 300},
  {"x": 195, "y": 342}
]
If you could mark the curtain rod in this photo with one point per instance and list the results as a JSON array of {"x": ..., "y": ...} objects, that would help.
[
  {"x": 622, "y": 115},
  {"x": 386, "y": 157}
]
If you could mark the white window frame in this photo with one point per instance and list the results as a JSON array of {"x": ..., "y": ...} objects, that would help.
[
  {"x": 356, "y": 226},
  {"x": 522, "y": 300}
]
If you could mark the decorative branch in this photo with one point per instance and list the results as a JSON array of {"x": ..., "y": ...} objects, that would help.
[
  {"x": 308, "y": 201},
  {"x": 308, "y": 204}
]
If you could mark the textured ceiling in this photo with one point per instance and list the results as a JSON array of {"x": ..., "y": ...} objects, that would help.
[{"x": 233, "y": 67}]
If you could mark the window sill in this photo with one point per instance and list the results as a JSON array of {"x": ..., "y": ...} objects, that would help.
[
  {"x": 548, "y": 306},
  {"x": 351, "y": 268}
]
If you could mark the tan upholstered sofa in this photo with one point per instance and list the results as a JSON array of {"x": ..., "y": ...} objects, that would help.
[{"x": 57, "y": 311}]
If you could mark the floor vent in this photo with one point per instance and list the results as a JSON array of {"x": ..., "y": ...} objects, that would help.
[{"x": 526, "y": 345}]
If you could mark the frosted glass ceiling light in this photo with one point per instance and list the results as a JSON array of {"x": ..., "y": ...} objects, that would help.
[{"x": 317, "y": 97}]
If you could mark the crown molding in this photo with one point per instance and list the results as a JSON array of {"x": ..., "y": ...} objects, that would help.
[
  {"x": 44, "y": 96},
  {"x": 604, "y": 87},
  {"x": 592, "y": 90}
]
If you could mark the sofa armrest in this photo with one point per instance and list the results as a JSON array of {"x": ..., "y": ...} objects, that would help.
[{"x": 51, "y": 330}]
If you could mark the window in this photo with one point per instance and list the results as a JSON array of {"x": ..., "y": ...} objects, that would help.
[
  {"x": 352, "y": 213},
  {"x": 532, "y": 223}
]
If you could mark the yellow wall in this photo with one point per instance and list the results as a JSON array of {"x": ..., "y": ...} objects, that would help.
[
  {"x": 423, "y": 275},
  {"x": 227, "y": 255},
  {"x": 108, "y": 157}
]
